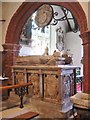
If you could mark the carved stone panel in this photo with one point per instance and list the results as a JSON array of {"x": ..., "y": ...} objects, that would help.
[
  {"x": 66, "y": 90},
  {"x": 51, "y": 86},
  {"x": 34, "y": 78},
  {"x": 20, "y": 78},
  {"x": 67, "y": 84}
]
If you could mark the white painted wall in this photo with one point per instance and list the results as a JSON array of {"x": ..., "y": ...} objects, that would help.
[
  {"x": 74, "y": 45},
  {"x": 89, "y": 15},
  {"x": 84, "y": 5},
  {"x": 8, "y": 10},
  {"x": 0, "y": 38},
  {"x": 1, "y": 26},
  {"x": 25, "y": 50}
]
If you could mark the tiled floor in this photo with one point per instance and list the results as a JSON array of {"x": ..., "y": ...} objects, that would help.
[{"x": 45, "y": 109}]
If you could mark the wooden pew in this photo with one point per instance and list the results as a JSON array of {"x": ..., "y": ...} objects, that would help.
[
  {"x": 26, "y": 116},
  {"x": 15, "y": 86},
  {"x": 20, "y": 90}
]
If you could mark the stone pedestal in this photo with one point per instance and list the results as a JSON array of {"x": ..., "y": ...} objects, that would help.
[
  {"x": 81, "y": 102},
  {"x": 86, "y": 61},
  {"x": 54, "y": 84}
]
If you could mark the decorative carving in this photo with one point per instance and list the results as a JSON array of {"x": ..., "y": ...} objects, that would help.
[
  {"x": 67, "y": 86},
  {"x": 59, "y": 39},
  {"x": 32, "y": 60},
  {"x": 51, "y": 86},
  {"x": 40, "y": 60},
  {"x": 51, "y": 83},
  {"x": 46, "y": 51},
  {"x": 20, "y": 78},
  {"x": 68, "y": 58},
  {"x": 44, "y": 15},
  {"x": 21, "y": 91},
  {"x": 34, "y": 78}
]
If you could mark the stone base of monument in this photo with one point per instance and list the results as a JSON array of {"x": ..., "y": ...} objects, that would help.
[{"x": 81, "y": 104}]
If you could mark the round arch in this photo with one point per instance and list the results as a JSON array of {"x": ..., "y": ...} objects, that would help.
[
  {"x": 11, "y": 46},
  {"x": 26, "y": 10}
]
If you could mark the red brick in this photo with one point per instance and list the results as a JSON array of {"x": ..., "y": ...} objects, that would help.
[{"x": 11, "y": 47}]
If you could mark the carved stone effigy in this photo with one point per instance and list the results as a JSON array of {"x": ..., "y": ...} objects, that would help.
[{"x": 51, "y": 81}]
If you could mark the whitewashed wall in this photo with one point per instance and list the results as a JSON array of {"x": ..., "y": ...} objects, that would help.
[
  {"x": 74, "y": 46},
  {"x": 8, "y": 10},
  {"x": 1, "y": 26}
]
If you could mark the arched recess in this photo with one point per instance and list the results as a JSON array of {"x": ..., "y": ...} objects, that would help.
[
  {"x": 11, "y": 46},
  {"x": 26, "y": 10}
]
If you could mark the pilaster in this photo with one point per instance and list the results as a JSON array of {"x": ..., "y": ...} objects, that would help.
[
  {"x": 8, "y": 58},
  {"x": 86, "y": 61}
]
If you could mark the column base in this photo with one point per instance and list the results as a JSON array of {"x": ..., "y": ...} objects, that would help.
[{"x": 81, "y": 102}]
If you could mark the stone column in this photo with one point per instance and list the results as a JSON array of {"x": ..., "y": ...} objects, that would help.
[
  {"x": 8, "y": 58},
  {"x": 86, "y": 61}
]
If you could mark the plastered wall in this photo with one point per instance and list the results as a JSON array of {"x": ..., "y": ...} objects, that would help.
[
  {"x": 74, "y": 47},
  {"x": 1, "y": 26},
  {"x": 85, "y": 7},
  {"x": 7, "y": 9},
  {"x": 89, "y": 15}
]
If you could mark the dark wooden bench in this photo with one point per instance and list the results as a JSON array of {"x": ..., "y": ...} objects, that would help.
[
  {"x": 20, "y": 90},
  {"x": 25, "y": 116}
]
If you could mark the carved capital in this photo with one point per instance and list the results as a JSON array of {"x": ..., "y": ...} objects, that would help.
[
  {"x": 11, "y": 47},
  {"x": 85, "y": 37}
]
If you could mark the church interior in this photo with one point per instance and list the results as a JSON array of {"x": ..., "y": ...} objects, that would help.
[{"x": 44, "y": 60}]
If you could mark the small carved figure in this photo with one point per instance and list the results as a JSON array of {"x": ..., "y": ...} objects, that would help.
[
  {"x": 68, "y": 59},
  {"x": 59, "y": 39},
  {"x": 46, "y": 51}
]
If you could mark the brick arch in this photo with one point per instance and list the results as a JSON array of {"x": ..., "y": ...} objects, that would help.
[
  {"x": 26, "y": 10},
  {"x": 11, "y": 46}
]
